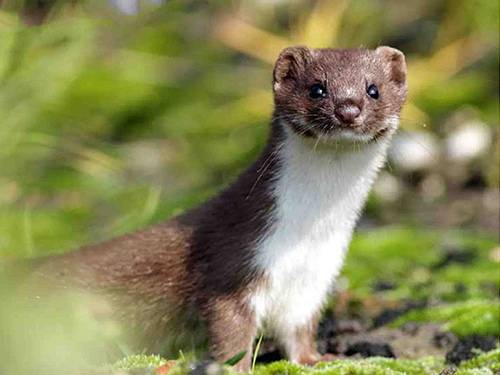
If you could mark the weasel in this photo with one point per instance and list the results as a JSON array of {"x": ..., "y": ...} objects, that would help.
[{"x": 265, "y": 251}]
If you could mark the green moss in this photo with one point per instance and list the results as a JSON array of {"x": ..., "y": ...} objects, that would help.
[
  {"x": 371, "y": 366},
  {"x": 483, "y": 371},
  {"x": 378, "y": 255},
  {"x": 461, "y": 318},
  {"x": 490, "y": 360},
  {"x": 280, "y": 367},
  {"x": 140, "y": 360},
  {"x": 406, "y": 257},
  {"x": 481, "y": 365},
  {"x": 423, "y": 365}
]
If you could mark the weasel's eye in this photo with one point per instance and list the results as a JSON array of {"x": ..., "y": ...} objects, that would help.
[
  {"x": 373, "y": 92},
  {"x": 317, "y": 91}
]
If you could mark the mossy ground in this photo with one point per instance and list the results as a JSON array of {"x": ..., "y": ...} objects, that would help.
[
  {"x": 462, "y": 318},
  {"x": 484, "y": 364},
  {"x": 411, "y": 261}
]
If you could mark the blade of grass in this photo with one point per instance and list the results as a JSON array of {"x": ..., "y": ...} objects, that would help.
[
  {"x": 234, "y": 360},
  {"x": 256, "y": 352}
]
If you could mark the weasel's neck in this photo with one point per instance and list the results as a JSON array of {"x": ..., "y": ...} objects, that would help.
[
  {"x": 326, "y": 182},
  {"x": 319, "y": 193}
]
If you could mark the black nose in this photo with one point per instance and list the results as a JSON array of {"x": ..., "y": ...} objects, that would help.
[{"x": 347, "y": 112}]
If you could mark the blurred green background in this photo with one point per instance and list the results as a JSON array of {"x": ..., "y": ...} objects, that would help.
[{"x": 112, "y": 121}]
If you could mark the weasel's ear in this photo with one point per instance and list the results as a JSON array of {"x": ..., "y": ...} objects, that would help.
[
  {"x": 291, "y": 62},
  {"x": 394, "y": 64}
]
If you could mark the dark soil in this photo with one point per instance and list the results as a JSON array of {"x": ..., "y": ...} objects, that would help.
[
  {"x": 269, "y": 356},
  {"x": 350, "y": 337},
  {"x": 388, "y": 315},
  {"x": 410, "y": 341},
  {"x": 456, "y": 255},
  {"x": 369, "y": 349},
  {"x": 384, "y": 285},
  {"x": 347, "y": 337},
  {"x": 464, "y": 349}
]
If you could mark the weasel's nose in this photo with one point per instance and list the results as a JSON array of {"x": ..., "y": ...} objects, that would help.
[{"x": 347, "y": 112}]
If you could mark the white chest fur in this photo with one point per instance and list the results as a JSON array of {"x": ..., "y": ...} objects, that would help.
[{"x": 320, "y": 192}]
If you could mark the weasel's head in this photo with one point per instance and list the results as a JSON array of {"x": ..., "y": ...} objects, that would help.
[{"x": 342, "y": 95}]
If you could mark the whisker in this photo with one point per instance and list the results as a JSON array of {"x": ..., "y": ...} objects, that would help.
[
  {"x": 264, "y": 168},
  {"x": 409, "y": 136},
  {"x": 317, "y": 141},
  {"x": 377, "y": 140}
]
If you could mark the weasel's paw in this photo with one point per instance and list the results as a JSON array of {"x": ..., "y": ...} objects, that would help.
[
  {"x": 327, "y": 357},
  {"x": 311, "y": 360}
]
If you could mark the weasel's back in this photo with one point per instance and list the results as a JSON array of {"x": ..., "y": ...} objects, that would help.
[{"x": 154, "y": 254}]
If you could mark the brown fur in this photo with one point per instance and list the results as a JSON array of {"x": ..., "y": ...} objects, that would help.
[{"x": 198, "y": 266}]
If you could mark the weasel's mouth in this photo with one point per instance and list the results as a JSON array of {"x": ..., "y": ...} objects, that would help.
[
  {"x": 336, "y": 132},
  {"x": 344, "y": 134}
]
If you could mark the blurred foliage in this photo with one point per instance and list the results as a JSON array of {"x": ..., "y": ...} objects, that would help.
[
  {"x": 56, "y": 335},
  {"x": 112, "y": 122},
  {"x": 140, "y": 361},
  {"x": 462, "y": 318}
]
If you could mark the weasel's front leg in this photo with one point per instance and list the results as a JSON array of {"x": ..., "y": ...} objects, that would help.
[
  {"x": 232, "y": 328},
  {"x": 300, "y": 344}
]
